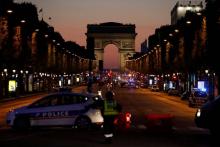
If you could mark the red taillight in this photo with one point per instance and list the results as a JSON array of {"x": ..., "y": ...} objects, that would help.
[{"x": 128, "y": 117}]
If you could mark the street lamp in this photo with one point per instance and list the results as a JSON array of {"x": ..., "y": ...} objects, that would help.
[
  {"x": 9, "y": 11},
  {"x": 90, "y": 49},
  {"x": 176, "y": 30},
  {"x": 188, "y": 22},
  {"x": 23, "y": 21}
]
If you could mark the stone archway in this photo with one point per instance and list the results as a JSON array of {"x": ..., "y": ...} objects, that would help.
[
  {"x": 122, "y": 36},
  {"x": 111, "y": 57}
]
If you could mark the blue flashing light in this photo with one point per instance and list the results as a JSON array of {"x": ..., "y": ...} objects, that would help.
[{"x": 204, "y": 89}]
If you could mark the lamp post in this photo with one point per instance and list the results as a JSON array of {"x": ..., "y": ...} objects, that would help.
[{"x": 90, "y": 49}]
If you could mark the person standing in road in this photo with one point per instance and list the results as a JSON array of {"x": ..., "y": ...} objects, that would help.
[{"x": 110, "y": 110}]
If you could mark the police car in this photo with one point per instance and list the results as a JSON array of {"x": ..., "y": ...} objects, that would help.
[{"x": 58, "y": 109}]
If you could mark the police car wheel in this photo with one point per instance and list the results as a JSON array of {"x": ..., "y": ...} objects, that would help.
[
  {"x": 82, "y": 123},
  {"x": 21, "y": 123}
]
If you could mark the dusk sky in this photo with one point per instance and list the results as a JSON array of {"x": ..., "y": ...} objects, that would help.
[{"x": 70, "y": 17}]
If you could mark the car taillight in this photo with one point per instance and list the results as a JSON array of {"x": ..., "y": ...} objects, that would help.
[{"x": 128, "y": 117}]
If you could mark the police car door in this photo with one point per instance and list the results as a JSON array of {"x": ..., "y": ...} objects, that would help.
[
  {"x": 57, "y": 110},
  {"x": 47, "y": 112},
  {"x": 74, "y": 105}
]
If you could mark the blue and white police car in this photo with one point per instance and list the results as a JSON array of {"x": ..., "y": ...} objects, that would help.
[{"x": 58, "y": 109}]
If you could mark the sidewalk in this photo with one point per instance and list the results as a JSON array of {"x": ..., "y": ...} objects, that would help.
[{"x": 6, "y": 99}]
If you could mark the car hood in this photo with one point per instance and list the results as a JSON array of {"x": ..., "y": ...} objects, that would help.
[
  {"x": 20, "y": 109},
  {"x": 208, "y": 104}
]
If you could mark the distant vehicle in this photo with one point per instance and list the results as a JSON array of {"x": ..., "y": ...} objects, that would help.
[
  {"x": 58, "y": 109},
  {"x": 207, "y": 116},
  {"x": 62, "y": 89},
  {"x": 84, "y": 83},
  {"x": 56, "y": 88},
  {"x": 186, "y": 94},
  {"x": 123, "y": 83},
  {"x": 198, "y": 98},
  {"x": 174, "y": 92},
  {"x": 143, "y": 85},
  {"x": 132, "y": 85},
  {"x": 155, "y": 88}
]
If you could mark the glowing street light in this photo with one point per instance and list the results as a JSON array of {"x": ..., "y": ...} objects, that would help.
[
  {"x": 9, "y": 11},
  {"x": 176, "y": 30},
  {"x": 188, "y": 22},
  {"x": 23, "y": 21}
]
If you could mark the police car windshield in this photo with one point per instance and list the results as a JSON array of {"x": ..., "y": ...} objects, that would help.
[{"x": 60, "y": 99}]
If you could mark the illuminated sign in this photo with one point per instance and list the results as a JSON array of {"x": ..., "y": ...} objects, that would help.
[
  {"x": 201, "y": 85},
  {"x": 150, "y": 82},
  {"x": 77, "y": 79},
  {"x": 171, "y": 84},
  {"x": 60, "y": 83},
  {"x": 69, "y": 81},
  {"x": 12, "y": 86}
]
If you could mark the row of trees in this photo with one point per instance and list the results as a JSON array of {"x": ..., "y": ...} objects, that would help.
[
  {"x": 189, "y": 47},
  {"x": 33, "y": 57},
  {"x": 31, "y": 44}
]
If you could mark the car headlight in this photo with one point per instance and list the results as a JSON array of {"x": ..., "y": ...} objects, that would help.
[
  {"x": 96, "y": 98},
  {"x": 198, "y": 113},
  {"x": 97, "y": 112}
]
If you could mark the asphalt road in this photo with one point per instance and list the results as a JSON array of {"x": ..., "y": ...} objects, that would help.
[{"x": 139, "y": 102}]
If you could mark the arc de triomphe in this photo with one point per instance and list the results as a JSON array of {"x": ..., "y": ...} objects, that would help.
[{"x": 121, "y": 35}]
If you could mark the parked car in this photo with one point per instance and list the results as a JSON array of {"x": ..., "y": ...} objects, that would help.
[
  {"x": 58, "y": 109},
  {"x": 172, "y": 91},
  {"x": 197, "y": 98},
  {"x": 155, "y": 88},
  {"x": 207, "y": 116}
]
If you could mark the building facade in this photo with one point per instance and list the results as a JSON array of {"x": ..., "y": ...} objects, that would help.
[{"x": 182, "y": 7}]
